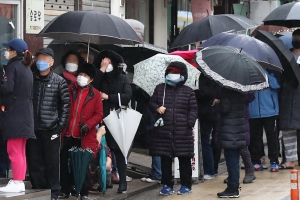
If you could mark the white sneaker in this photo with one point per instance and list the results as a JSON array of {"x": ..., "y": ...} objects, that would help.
[
  {"x": 128, "y": 179},
  {"x": 13, "y": 187},
  {"x": 208, "y": 177}
]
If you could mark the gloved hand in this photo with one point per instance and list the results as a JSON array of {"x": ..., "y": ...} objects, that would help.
[{"x": 84, "y": 129}]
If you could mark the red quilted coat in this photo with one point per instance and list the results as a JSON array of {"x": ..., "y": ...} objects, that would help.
[{"x": 91, "y": 114}]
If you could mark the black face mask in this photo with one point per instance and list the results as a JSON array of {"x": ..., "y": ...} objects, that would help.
[{"x": 296, "y": 44}]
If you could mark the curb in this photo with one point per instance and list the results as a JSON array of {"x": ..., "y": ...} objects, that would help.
[{"x": 135, "y": 192}]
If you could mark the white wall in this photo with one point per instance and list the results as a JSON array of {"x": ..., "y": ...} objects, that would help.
[
  {"x": 260, "y": 9},
  {"x": 116, "y": 9},
  {"x": 160, "y": 24}
]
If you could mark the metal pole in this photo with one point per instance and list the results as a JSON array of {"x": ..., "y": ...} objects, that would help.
[{"x": 200, "y": 158}]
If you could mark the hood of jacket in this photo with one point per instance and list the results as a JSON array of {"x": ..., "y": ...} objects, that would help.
[{"x": 183, "y": 70}]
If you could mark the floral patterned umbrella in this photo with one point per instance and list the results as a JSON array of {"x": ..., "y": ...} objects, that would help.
[{"x": 151, "y": 72}]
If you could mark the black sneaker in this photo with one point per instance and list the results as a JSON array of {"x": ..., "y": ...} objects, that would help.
[{"x": 229, "y": 193}]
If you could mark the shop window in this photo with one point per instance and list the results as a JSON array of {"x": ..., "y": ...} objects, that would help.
[{"x": 8, "y": 24}]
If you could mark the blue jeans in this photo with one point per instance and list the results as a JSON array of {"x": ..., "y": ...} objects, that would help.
[
  {"x": 156, "y": 167},
  {"x": 3, "y": 162},
  {"x": 207, "y": 153},
  {"x": 232, "y": 158}
]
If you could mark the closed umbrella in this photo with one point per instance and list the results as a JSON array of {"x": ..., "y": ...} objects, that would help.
[
  {"x": 212, "y": 25},
  {"x": 90, "y": 27},
  {"x": 79, "y": 160},
  {"x": 232, "y": 68},
  {"x": 287, "y": 15},
  {"x": 102, "y": 164},
  {"x": 287, "y": 59},
  {"x": 256, "y": 48},
  {"x": 151, "y": 72},
  {"x": 123, "y": 124}
]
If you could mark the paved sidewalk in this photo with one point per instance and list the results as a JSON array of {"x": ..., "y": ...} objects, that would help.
[{"x": 267, "y": 186}]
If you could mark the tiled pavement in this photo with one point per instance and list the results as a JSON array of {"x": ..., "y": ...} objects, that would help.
[{"x": 267, "y": 186}]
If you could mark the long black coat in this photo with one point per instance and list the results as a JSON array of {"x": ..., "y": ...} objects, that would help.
[
  {"x": 111, "y": 84},
  {"x": 175, "y": 138},
  {"x": 233, "y": 126},
  {"x": 289, "y": 115},
  {"x": 17, "y": 91}
]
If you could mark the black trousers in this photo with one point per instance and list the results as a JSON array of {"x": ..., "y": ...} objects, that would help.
[
  {"x": 256, "y": 135},
  {"x": 66, "y": 178},
  {"x": 43, "y": 162},
  {"x": 122, "y": 166},
  {"x": 185, "y": 169}
]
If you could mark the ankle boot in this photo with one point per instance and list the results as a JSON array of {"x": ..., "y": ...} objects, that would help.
[{"x": 249, "y": 175}]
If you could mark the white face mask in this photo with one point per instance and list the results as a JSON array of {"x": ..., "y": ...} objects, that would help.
[
  {"x": 109, "y": 68},
  {"x": 6, "y": 55},
  {"x": 82, "y": 81},
  {"x": 173, "y": 76},
  {"x": 71, "y": 67}
]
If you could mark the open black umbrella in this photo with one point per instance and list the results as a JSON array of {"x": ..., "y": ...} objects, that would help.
[
  {"x": 212, "y": 25},
  {"x": 287, "y": 59},
  {"x": 90, "y": 27},
  {"x": 133, "y": 54},
  {"x": 232, "y": 68},
  {"x": 287, "y": 15},
  {"x": 262, "y": 52}
]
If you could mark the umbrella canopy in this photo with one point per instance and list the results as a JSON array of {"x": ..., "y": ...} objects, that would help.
[
  {"x": 269, "y": 28},
  {"x": 133, "y": 54},
  {"x": 79, "y": 160},
  {"x": 287, "y": 40},
  {"x": 287, "y": 15},
  {"x": 61, "y": 47},
  {"x": 186, "y": 55},
  {"x": 287, "y": 59},
  {"x": 151, "y": 72},
  {"x": 232, "y": 68},
  {"x": 212, "y": 25},
  {"x": 91, "y": 27},
  {"x": 102, "y": 164},
  {"x": 256, "y": 48}
]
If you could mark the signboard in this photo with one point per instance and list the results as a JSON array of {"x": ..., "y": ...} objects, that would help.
[
  {"x": 200, "y": 9},
  {"x": 34, "y": 16},
  {"x": 194, "y": 160}
]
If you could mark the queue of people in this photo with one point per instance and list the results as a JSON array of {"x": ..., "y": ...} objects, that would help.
[{"x": 44, "y": 114}]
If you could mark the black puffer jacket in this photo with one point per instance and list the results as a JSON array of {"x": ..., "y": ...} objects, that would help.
[
  {"x": 289, "y": 115},
  {"x": 51, "y": 102},
  {"x": 233, "y": 127},
  {"x": 175, "y": 138}
]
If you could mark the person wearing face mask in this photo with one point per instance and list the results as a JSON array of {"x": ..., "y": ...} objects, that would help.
[
  {"x": 16, "y": 110},
  {"x": 176, "y": 105},
  {"x": 71, "y": 61},
  {"x": 289, "y": 115},
  {"x": 112, "y": 81},
  {"x": 51, "y": 103},
  {"x": 85, "y": 114}
]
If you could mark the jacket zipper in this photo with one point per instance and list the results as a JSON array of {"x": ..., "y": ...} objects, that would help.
[
  {"x": 74, "y": 123},
  {"x": 41, "y": 96},
  {"x": 174, "y": 123},
  {"x": 258, "y": 104}
]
